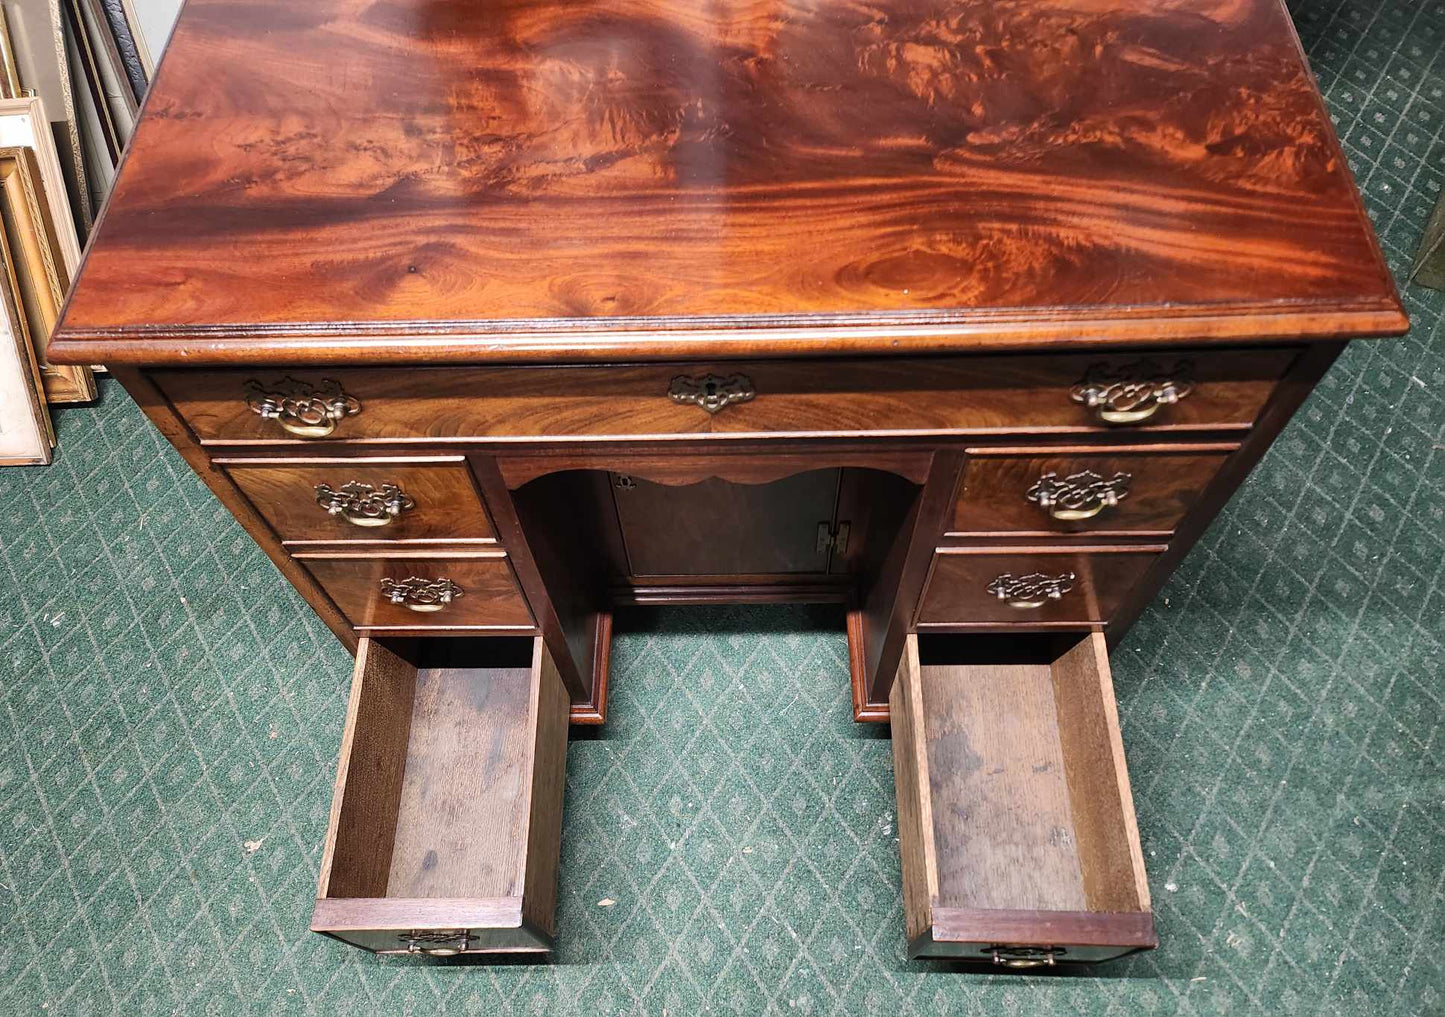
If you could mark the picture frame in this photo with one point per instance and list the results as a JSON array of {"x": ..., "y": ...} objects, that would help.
[
  {"x": 94, "y": 152},
  {"x": 23, "y": 124},
  {"x": 113, "y": 18},
  {"x": 10, "y": 87},
  {"x": 137, "y": 33},
  {"x": 26, "y": 435},
  {"x": 41, "y": 273},
  {"x": 103, "y": 76},
  {"x": 72, "y": 156},
  {"x": 45, "y": 72}
]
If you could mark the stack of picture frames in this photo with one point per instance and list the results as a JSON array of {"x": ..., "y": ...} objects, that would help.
[{"x": 72, "y": 77}]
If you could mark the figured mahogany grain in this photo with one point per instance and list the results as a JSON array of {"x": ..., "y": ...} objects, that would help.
[
  {"x": 502, "y": 179},
  {"x": 1162, "y": 486},
  {"x": 826, "y": 397},
  {"x": 445, "y": 501},
  {"x": 716, "y": 527},
  {"x": 957, "y": 592},
  {"x": 490, "y": 597}
]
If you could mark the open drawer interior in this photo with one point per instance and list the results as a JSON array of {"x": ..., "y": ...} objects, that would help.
[
  {"x": 446, "y": 822},
  {"x": 1016, "y": 824}
]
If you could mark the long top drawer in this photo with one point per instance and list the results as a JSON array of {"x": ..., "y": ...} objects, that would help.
[{"x": 1041, "y": 394}]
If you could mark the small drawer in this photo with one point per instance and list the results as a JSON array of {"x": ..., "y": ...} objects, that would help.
[
  {"x": 1075, "y": 491},
  {"x": 1084, "y": 585},
  {"x": 472, "y": 590},
  {"x": 445, "y": 826},
  {"x": 1174, "y": 391},
  {"x": 1015, "y": 819},
  {"x": 332, "y": 500}
]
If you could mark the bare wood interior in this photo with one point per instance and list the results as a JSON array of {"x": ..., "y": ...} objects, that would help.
[
  {"x": 443, "y": 750},
  {"x": 449, "y": 787},
  {"x": 1029, "y": 798},
  {"x": 465, "y": 794}
]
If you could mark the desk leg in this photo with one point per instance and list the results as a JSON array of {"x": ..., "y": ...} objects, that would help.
[
  {"x": 564, "y": 610},
  {"x": 878, "y": 629},
  {"x": 594, "y": 709}
]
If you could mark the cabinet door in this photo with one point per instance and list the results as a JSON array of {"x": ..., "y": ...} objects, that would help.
[{"x": 720, "y": 528}]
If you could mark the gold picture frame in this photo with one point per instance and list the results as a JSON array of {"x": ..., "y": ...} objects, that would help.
[
  {"x": 23, "y": 124},
  {"x": 26, "y": 436},
  {"x": 73, "y": 157},
  {"x": 10, "y": 87},
  {"x": 40, "y": 271},
  {"x": 44, "y": 73},
  {"x": 103, "y": 75}
]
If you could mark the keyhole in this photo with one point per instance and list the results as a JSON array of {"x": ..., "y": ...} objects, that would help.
[{"x": 625, "y": 482}]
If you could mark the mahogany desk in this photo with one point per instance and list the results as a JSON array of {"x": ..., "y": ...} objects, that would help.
[{"x": 486, "y": 317}]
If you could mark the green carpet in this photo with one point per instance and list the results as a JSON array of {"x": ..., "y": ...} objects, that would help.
[{"x": 170, "y": 714}]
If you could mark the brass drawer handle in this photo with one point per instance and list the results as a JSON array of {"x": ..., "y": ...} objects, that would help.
[
  {"x": 1079, "y": 495},
  {"x": 437, "y": 944},
  {"x": 1132, "y": 393},
  {"x": 1025, "y": 956},
  {"x": 712, "y": 392},
  {"x": 302, "y": 409},
  {"x": 1031, "y": 591},
  {"x": 363, "y": 505},
  {"x": 422, "y": 595}
]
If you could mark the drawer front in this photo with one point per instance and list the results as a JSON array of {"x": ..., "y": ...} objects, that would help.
[
  {"x": 363, "y": 499},
  {"x": 1080, "y": 493},
  {"x": 411, "y": 591},
  {"x": 1084, "y": 586},
  {"x": 1046, "y": 394}
]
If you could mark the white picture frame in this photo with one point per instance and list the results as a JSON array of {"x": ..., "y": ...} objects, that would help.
[
  {"x": 23, "y": 124},
  {"x": 26, "y": 437}
]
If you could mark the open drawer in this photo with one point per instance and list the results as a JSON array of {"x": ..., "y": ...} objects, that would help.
[
  {"x": 1015, "y": 820},
  {"x": 446, "y": 823}
]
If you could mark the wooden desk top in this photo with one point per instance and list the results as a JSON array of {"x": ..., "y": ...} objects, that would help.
[{"x": 479, "y": 180}]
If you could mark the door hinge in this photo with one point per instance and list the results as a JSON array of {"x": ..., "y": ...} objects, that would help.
[{"x": 831, "y": 538}]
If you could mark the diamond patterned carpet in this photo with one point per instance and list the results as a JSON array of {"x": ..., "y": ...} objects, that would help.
[{"x": 170, "y": 715}]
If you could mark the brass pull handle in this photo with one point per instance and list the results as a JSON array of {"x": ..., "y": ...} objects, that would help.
[
  {"x": 437, "y": 944},
  {"x": 1075, "y": 515},
  {"x": 421, "y": 595},
  {"x": 1132, "y": 416},
  {"x": 363, "y": 505},
  {"x": 1032, "y": 591},
  {"x": 1132, "y": 393},
  {"x": 712, "y": 392},
  {"x": 1020, "y": 957},
  {"x": 307, "y": 411},
  {"x": 1078, "y": 496}
]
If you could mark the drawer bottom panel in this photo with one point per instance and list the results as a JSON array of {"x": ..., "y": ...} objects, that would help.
[
  {"x": 445, "y": 827},
  {"x": 1016, "y": 824}
]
